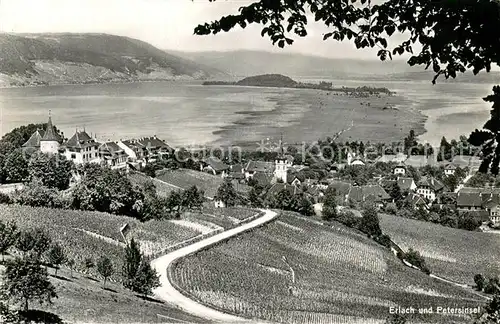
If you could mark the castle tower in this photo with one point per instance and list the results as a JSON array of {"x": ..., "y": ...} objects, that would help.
[
  {"x": 281, "y": 165},
  {"x": 50, "y": 140}
]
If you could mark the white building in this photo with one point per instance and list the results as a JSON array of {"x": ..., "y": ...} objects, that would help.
[
  {"x": 81, "y": 148},
  {"x": 450, "y": 169},
  {"x": 400, "y": 169},
  {"x": 50, "y": 141}
]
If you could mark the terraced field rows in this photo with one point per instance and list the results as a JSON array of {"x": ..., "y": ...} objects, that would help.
[{"x": 339, "y": 275}]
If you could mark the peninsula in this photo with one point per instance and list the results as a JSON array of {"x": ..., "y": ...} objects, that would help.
[{"x": 282, "y": 81}]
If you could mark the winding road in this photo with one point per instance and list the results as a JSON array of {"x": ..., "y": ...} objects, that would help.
[{"x": 168, "y": 293}]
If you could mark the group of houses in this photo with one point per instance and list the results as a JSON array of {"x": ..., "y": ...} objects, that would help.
[{"x": 82, "y": 148}]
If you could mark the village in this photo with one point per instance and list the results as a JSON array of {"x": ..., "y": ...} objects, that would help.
[{"x": 396, "y": 183}]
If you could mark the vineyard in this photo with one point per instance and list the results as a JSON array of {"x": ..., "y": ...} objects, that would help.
[
  {"x": 452, "y": 253},
  {"x": 92, "y": 234},
  {"x": 236, "y": 213},
  {"x": 162, "y": 189},
  {"x": 185, "y": 179},
  {"x": 338, "y": 273}
]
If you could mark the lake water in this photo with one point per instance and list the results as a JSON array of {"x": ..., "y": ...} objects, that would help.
[{"x": 192, "y": 114}]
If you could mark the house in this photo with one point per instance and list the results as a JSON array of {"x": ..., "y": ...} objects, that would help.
[
  {"x": 277, "y": 187},
  {"x": 215, "y": 166},
  {"x": 406, "y": 184},
  {"x": 416, "y": 201},
  {"x": 154, "y": 148},
  {"x": 134, "y": 149},
  {"x": 470, "y": 199},
  {"x": 400, "y": 169},
  {"x": 113, "y": 155},
  {"x": 342, "y": 188},
  {"x": 281, "y": 166},
  {"x": 254, "y": 167},
  {"x": 81, "y": 148},
  {"x": 369, "y": 193},
  {"x": 296, "y": 182},
  {"x": 492, "y": 206},
  {"x": 450, "y": 169},
  {"x": 357, "y": 161},
  {"x": 429, "y": 188}
]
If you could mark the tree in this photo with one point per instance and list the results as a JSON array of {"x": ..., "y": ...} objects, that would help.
[
  {"x": 15, "y": 166},
  {"x": 139, "y": 276},
  {"x": 42, "y": 242},
  {"x": 192, "y": 198},
  {"x": 329, "y": 211},
  {"x": 397, "y": 195},
  {"x": 227, "y": 194},
  {"x": 467, "y": 39},
  {"x": 416, "y": 259},
  {"x": 105, "y": 268},
  {"x": 71, "y": 265},
  {"x": 254, "y": 196},
  {"x": 369, "y": 222},
  {"x": 468, "y": 222},
  {"x": 480, "y": 281},
  {"x": 35, "y": 194},
  {"x": 56, "y": 256},
  {"x": 54, "y": 171},
  {"x": 26, "y": 280},
  {"x": 8, "y": 236},
  {"x": 88, "y": 264},
  {"x": 25, "y": 242}
]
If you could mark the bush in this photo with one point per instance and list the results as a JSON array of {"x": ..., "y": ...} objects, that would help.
[
  {"x": 414, "y": 258},
  {"x": 4, "y": 198},
  {"x": 384, "y": 240},
  {"x": 480, "y": 282},
  {"x": 391, "y": 209},
  {"x": 348, "y": 219},
  {"x": 370, "y": 223}
]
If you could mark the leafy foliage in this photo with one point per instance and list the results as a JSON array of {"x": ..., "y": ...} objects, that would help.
[
  {"x": 330, "y": 204},
  {"x": 54, "y": 171},
  {"x": 369, "y": 222},
  {"x": 56, "y": 256},
  {"x": 8, "y": 236},
  {"x": 26, "y": 280},
  {"x": 105, "y": 268},
  {"x": 227, "y": 194}
]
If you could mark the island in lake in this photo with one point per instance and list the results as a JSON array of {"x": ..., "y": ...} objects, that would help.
[{"x": 282, "y": 81}]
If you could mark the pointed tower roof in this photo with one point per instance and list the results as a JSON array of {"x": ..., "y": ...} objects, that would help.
[
  {"x": 50, "y": 134},
  {"x": 34, "y": 140}
]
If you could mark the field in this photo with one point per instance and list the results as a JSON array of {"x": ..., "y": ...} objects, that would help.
[
  {"x": 339, "y": 274},
  {"x": 452, "y": 253},
  {"x": 184, "y": 178},
  {"x": 162, "y": 188},
  {"x": 92, "y": 234}
]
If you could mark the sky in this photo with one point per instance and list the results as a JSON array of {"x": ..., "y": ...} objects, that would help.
[{"x": 166, "y": 24}]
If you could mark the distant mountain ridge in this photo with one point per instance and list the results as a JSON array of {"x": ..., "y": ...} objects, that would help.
[
  {"x": 244, "y": 63},
  {"x": 30, "y": 59}
]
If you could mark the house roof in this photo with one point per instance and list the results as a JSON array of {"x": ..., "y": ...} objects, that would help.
[
  {"x": 450, "y": 166},
  {"x": 153, "y": 142},
  {"x": 400, "y": 165},
  {"x": 34, "y": 140},
  {"x": 262, "y": 178},
  {"x": 237, "y": 168},
  {"x": 368, "y": 192},
  {"x": 50, "y": 134},
  {"x": 236, "y": 175},
  {"x": 260, "y": 166},
  {"x": 405, "y": 183},
  {"x": 430, "y": 182},
  {"x": 341, "y": 187},
  {"x": 79, "y": 140},
  {"x": 469, "y": 199},
  {"x": 415, "y": 200},
  {"x": 112, "y": 149},
  {"x": 216, "y": 164}
]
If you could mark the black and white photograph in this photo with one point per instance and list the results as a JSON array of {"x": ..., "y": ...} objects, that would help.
[{"x": 250, "y": 161}]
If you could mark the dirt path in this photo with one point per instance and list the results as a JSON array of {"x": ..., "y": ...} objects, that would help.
[{"x": 168, "y": 293}]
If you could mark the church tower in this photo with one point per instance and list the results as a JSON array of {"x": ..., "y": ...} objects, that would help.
[
  {"x": 281, "y": 165},
  {"x": 49, "y": 143}
]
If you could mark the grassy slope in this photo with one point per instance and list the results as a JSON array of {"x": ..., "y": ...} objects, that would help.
[
  {"x": 452, "y": 253},
  {"x": 339, "y": 273},
  {"x": 82, "y": 299}
]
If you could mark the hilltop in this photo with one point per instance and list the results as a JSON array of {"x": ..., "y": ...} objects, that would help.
[{"x": 31, "y": 59}]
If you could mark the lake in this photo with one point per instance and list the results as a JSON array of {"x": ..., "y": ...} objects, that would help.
[{"x": 189, "y": 114}]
